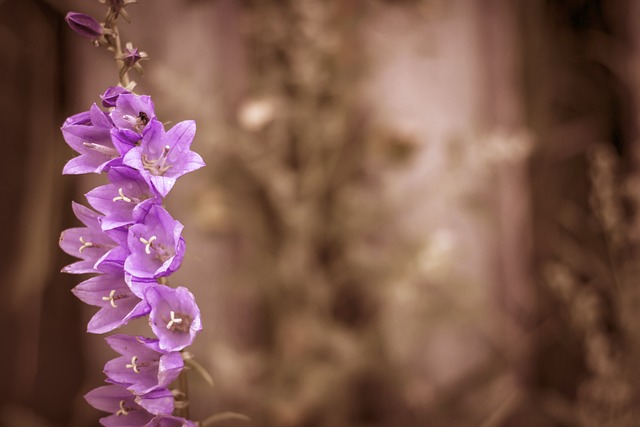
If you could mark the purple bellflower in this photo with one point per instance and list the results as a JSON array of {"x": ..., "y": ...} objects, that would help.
[
  {"x": 174, "y": 317},
  {"x": 117, "y": 303},
  {"x": 133, "y": 112},
  {"x": 124, "y": 201},
  {"x": 142, "y": 366},
  {"x": 89, "y": 243},
  {"x": 131, "y": 115},
  {"x": 131, "y": 243},
  {"x": 162, "y": 157},
  {"x": 156, "y": 246},
  {"x": 119, "y": 401},
  {"x": 92, "y": 139}
]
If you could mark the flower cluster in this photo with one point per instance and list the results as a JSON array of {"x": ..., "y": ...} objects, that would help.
[{"x": 131, "y": 244}]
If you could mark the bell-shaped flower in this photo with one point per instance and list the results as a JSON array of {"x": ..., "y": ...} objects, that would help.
[
  {"x": 125, "y": 200},
  {"x": 118, "y": 304},
  {"x": 155, "y": 244},
  {"x": 89, "y": 243},
  {"x": 120, "y": 402},
  {"x": 142, "y": 366},
  {"x": 131, "y": 116},
  {"x": 92, "y": 140},
  {"x": 170, "y": 421},
  {"x": 162, "y": 157},
  {"x": 174, "y": 317}
]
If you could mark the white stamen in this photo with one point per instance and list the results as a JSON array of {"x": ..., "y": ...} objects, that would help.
[
  {"x": 131, "y": 119},
  {"x": 121, "y": 197},
  {"x": 133, "y": 365},
  {"x": 174, "y": 320},
  {"x": 122, "y": 410},
  {"x": 111, "y": 298},
  {"x": 85, "y": 245},
  {"x": 102, "y": 149},
  {"x": 147, "y": 248}
]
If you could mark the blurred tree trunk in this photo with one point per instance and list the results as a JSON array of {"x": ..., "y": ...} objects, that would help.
[{"x": 40, "y": 364}]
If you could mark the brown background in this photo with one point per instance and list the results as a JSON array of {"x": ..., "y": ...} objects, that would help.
[{"x": 414, "y": 212}]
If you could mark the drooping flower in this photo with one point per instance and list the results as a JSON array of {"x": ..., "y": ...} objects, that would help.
[
  {"x": 90, "y": 135},
  {"x": 143, "y": 366},
  {"x": 162, "y": 157},
  {"x": 89, "y": 243},
  {"x": 174, "y": 317},
  {"x": 85, "y": 25},
  {"x": 125, "y": 200},
  {"x": 120, "y": 402},
  {"x": 117, "y": 303},
  {"x": 156, "y": 246}
]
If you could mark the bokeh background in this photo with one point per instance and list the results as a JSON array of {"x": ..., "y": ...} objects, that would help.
[{"x": 415, "y": 213}]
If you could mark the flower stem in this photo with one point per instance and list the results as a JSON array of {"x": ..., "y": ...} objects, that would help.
[
  {"x": 122, "y": 72},
  {"x": 183, "y": 384}
]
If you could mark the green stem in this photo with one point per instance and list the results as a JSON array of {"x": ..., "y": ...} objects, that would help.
[
  {"x": 183, "y": 385},
  {"x": 123, "y": 75}
]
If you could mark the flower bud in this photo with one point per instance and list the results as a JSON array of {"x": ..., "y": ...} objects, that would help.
[{"x": 84, "y": 25}]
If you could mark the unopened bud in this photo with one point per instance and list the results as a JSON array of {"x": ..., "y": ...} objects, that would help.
[
  {"x": 84, "y": 25},
  {"x": 111, "y": 95}
]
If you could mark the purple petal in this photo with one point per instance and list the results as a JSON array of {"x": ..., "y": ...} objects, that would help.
[
  {"x": 121, "y": 403},
  {"x": 143, "y": 366},
  {"x": 157, "y": 402},
  {"x": 117, "y": 303},
  {"x": 94, "y": 145}
]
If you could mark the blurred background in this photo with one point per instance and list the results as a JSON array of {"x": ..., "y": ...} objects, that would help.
[{"x": 415, "y": 213}]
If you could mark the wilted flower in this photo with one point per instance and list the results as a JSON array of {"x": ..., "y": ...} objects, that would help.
[{"x": 174, "y": 317}]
